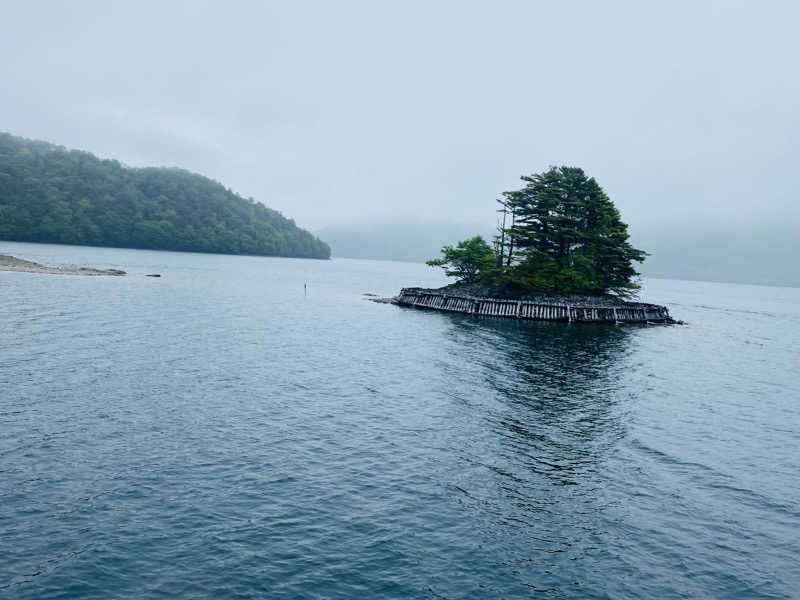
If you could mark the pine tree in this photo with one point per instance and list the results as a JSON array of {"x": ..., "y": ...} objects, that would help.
[{"x": 568, "y": 236}]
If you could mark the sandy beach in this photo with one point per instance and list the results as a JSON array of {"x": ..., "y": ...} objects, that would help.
[{"x": 11, "y": 263}]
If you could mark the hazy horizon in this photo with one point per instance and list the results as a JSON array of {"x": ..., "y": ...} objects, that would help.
[{"x": 733, "y": 255}]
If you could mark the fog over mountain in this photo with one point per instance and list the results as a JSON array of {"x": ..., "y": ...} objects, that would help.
[
  {"x": 398, "y": 240},
  {"x": 737, "y": 254},
  {"x": 734, "y": 254},
  {"x": 344, "y": 113}
]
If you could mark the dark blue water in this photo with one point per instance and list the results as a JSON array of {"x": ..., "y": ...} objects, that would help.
[{"x": 217, "y": 434}]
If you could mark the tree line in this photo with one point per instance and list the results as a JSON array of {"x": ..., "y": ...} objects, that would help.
[
  {"x": 54, "y": 195},
  {"x": 560, "y": 233}
]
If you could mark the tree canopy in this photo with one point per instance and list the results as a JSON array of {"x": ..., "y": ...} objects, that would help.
[
  {"x": 466, "y": 260},
  {"x": 50, "y": 194},
  {"x": 561, "y": 234}
]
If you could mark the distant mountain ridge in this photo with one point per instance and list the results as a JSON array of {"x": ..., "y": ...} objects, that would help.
[{"x": 54, "y": 195}]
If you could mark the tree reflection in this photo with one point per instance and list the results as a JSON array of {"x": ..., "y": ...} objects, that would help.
[{"x": 557, "y": 405}]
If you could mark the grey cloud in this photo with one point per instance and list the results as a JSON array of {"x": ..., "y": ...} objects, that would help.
[{"x": 345, "y": 112}]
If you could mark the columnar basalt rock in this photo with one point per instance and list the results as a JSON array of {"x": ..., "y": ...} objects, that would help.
[{"x": 541, "y": 309}]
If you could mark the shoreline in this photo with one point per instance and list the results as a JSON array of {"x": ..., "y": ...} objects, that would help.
[
  {"x": 12, "y": 263},
  {"x": 214, "y": 252}
]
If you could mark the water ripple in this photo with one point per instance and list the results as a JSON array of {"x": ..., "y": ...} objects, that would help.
[{"x": 215, "y": 433}]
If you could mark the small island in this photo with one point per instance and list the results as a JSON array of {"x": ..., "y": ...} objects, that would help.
[{"x": 561, "y": 254}]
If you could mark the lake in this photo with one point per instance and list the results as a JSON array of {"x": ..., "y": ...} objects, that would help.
[{"x": 220, "y": 433}]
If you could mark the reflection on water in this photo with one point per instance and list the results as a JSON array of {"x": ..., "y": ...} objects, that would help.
[
  {"x": 554, "y": 416},
  {"x": 562, "y": 382},
  {"x": 559, "y": 382}
]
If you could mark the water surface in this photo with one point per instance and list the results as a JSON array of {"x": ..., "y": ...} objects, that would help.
[{"x": 219, "y": 433}]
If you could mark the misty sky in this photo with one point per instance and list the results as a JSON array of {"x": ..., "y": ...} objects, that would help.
[{"x": 334, "y": 112}]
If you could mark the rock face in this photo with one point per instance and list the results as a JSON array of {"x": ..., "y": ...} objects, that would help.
[{"x": 540, "y": 307}]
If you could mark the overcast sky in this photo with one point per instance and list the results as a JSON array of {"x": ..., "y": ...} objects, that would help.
[{"x": 334, "y": 112}]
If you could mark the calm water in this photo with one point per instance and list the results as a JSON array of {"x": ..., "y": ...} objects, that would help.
[{"x": 217, "y": 434}]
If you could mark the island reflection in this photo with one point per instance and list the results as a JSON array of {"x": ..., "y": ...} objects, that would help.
[
  {"x": 556, "y": 408},
  {"x": 532, "y": 475}
]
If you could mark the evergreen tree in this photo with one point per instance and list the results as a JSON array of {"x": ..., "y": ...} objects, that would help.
[
  {"x": 568, "y": 236},
  {"x": 467, "y": 260}
]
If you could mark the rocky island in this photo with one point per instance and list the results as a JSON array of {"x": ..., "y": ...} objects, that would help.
[{"x": 561, "y": 254}]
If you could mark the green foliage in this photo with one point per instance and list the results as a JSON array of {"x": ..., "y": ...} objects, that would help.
[
  {"x": 566, "y": 236},
  {"x": 49, "y": 194},
  {"x": 468, "y": 260}
]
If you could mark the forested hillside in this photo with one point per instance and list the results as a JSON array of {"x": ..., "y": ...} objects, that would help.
[{"x": 50, "y": 194}]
